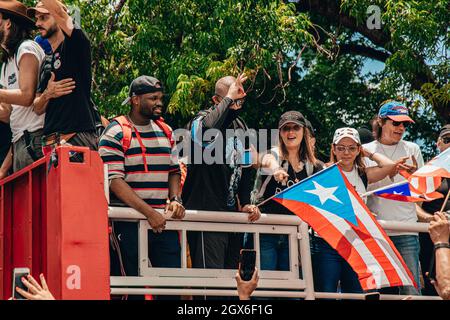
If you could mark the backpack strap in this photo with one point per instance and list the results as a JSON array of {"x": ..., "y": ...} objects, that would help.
[
  {"x": 309, "y": 168},
  {"x": 166, "y": 129},
  {"x": 126, "y": 130}
]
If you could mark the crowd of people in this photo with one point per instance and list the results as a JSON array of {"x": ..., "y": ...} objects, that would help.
[{"x": 45, "y": 101}]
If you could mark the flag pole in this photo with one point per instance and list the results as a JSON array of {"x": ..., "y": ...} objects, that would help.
[
  {"x": 445, "y": 201},
  {"x": 311, "y": 176},
  {"x": 385, "y": 187}
]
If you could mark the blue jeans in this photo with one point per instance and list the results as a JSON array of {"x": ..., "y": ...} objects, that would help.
[
  {"x": 330, "y": 270},
  {"x": 274, "y": 251},
  {"x": 408, "y": 246}
]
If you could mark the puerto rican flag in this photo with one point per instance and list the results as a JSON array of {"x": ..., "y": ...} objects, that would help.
[
  {"x": 428, "y": 178},
  {"x": 403, "y": 191},
  {"x": 333, "y": 208}
]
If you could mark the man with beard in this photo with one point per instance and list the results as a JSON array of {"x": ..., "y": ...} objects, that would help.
[
  {"x": 143, "y": 175},
  {"x": 65, "y": 87},
  {"x": 22, "y": 59},
  {"x": 223, "y": 186},
  {"x": 389, "y": 128}
]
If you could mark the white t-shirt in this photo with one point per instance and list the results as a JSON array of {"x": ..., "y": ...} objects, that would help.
[
  {"x": 356, "y": 181},
  {"x": 22, "y": 118},
  {"x": 391, "y": 210}
]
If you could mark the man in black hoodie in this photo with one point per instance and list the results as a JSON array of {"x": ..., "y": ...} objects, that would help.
[{"x": 223, "y": 185}]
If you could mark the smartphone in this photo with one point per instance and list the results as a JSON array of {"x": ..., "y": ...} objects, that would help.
[
  {"x": 372, "y": 296},
  {"x": 18, "y": 273},
  {"x": 247, "y": 262}
]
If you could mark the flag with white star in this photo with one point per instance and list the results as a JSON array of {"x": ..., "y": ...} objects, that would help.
[
  {"x": 405, "y": 193},
  {"x": 332, "y": 207}
]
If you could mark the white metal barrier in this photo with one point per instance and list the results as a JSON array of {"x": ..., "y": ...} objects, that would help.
[{"x": 220, "y": 282}]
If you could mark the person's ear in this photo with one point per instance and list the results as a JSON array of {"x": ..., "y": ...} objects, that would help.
[
  {"x": 215, "y": 99},
  {"x": 134, "y": 101}
]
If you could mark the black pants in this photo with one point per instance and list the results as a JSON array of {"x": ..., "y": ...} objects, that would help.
[{"x": 215, "y": 250}]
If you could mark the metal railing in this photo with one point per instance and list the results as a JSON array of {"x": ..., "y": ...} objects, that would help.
[{"x": 220, "y": 282}]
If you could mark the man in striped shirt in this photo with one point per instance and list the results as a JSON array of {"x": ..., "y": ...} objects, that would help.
[{"x": 143, "y": 175}]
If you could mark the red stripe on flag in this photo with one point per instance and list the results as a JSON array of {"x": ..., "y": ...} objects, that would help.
[
  {"x": 389, "y": 269},
  {"x": 333, "y": 236},
  {"x": 398, "y": 197},
  {"x": 440, "y": 172}
]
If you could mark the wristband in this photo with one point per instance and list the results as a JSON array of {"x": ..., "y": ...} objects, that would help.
[
  {"x": 441, "y": 245},
  {"x": 177, "y": 199},
  {"x": 371, "y": 155}
]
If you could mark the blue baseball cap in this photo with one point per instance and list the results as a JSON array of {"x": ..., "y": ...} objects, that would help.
[{"x": 395, "y": 111}]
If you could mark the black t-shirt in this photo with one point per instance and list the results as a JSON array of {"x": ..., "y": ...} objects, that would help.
[
  {"x": 72, "y": 112},
  {"x": 274, "y": 187},
  {"x": 436, "y": 205},
  {"x": 5, "y": 140}
]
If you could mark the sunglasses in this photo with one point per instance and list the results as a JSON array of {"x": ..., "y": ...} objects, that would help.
[
  {"x": 446, "y": 140},
  {"x": 287, "y": 128},
  {"x": 351, "y": 149},
  {"x": 397, "y": 123}
]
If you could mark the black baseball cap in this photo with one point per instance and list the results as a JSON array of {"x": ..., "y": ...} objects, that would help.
[
  {"x": 142, "y": 85},
  {"x": 292, "y": 117},
  {"x": 365, "y": 135},
  {"x": 444, "y": 130}
]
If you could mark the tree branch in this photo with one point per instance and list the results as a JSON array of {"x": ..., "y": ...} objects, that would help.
[
  {"x": 331, "y": 10},
  {"x": 364, "y": 51},
  {"x": 110, "y": 25}
]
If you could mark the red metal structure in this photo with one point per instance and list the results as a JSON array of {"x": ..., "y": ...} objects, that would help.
[{"x": 54, "y": 220}]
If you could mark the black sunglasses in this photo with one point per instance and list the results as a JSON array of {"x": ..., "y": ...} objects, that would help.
[
  {"x": 446, "y": 140},
  {"x": 397, "y": 123}
]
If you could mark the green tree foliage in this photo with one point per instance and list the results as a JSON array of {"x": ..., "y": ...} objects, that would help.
[{"x": 304, "y": 55}]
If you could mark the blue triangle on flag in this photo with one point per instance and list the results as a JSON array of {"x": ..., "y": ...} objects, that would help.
[
  {"x": 325, "y": 190},
  {"x": 402, "y": 189}
]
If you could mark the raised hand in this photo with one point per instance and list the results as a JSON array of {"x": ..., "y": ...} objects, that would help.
[{"x": 236, "y": 90}]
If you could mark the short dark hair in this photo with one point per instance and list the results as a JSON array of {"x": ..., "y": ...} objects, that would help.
[{"x": 17, "y": 34}]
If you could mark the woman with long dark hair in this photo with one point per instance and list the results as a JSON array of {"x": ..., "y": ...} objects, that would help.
[{"x": 286, "y": 164}]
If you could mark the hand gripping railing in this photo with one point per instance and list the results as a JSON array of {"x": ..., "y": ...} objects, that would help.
[{"x": 220, "y": 282}]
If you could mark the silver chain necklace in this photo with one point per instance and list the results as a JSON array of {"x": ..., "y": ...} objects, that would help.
[{"x": 384, "y": 151}]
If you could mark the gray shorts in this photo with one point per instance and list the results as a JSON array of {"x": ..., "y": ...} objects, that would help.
[
  {"x": 85, "y": 139},
  {"x": 27, "y": 149}
]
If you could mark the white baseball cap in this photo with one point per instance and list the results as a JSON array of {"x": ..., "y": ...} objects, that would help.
[{"x": 341, "y": 133}]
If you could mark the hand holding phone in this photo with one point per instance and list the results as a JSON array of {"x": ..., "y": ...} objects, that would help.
[
  {"x": 247, "y": 262},
  {"x": 18, "y": 274}
]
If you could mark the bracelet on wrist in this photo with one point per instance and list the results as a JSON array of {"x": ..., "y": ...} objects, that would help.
[
  {"x": 440, "y": 245},
  {"x": 177, "y": 199},
  {"x": 371, "y": 155}
]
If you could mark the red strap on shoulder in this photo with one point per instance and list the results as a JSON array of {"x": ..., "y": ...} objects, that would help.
[
  {"x": 166, "y": 129},
  {"x": 126, "y": 130}
]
